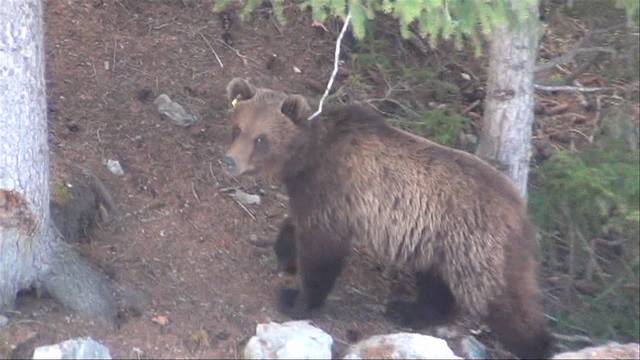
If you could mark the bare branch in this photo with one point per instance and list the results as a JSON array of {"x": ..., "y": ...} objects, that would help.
[
  {"x": 571, "y": 54},
  {"x": 571, "y": 88},
  {"x": 573, "y": 338},
  {"x": 336, "y": 61}
]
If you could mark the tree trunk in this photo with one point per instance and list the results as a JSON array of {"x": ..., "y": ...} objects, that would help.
[
  {"x": 31, "y": 249},
  {"x": 508, "y": 114}
]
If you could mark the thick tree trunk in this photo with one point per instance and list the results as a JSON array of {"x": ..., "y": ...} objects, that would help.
[
  {"x": 508, "y": 112},
  {"x": 31, "y": 249}
]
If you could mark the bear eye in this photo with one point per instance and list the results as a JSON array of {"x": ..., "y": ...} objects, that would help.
[
  {"x": 235, "y": 132},
  {"x": 261, "y": 142}
]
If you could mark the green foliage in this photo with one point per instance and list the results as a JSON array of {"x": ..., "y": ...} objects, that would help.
[
  {"x": 601, "y": 184},
  {"x": 432, "y": 19},
  {"x": 440, "y": 126},
  {"x": 436, "y": 19},
  {"x": 632, "y": 8},
  {"x": 586, "y": 203}
]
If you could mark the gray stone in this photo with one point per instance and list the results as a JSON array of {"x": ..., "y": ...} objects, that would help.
[
  {"x": 472, "y": 348},
  {"x": 401, "y": 346},
  {"x": 174, "y": 111},
  {"x": 115, "y": 167},
  {"x": 79, "y": 348},
  {"x": 245, "y": 198},
  {"x": 289, "y": 340},
  {"x": 612, "y": 350},
  {"x": 3, "y": 320}
]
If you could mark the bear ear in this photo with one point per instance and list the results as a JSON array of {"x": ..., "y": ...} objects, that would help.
[
  {"x": 240, "y": 89},
  {"x": 296, "y": 108}
]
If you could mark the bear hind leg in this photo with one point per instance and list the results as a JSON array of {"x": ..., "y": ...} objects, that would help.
[
  {"x": 435, "y": 304},
  {"x": 517, "y": 317}
]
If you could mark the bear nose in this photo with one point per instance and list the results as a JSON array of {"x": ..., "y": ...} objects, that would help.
[{"x": 229, "y": 162}]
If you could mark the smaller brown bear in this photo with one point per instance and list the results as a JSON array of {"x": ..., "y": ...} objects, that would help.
[{"x": 455, "y": 221}]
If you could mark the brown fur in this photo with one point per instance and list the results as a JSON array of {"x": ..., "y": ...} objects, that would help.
[{"x": 443, "y": 213}]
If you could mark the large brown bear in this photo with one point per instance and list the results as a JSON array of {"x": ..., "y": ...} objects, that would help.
[{"x": 459, "y": 224}]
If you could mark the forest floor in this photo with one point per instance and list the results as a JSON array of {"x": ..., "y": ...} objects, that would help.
[{"x": 201, "y": 263}]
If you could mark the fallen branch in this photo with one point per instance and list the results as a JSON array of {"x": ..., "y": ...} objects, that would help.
[
  {"x": 571, "y": 88},
  {"x": 243, "y": 57},
  {"x": 336, "y": 63}
]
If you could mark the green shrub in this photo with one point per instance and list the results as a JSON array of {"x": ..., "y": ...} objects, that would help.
[{"x": 587, "y": 205}]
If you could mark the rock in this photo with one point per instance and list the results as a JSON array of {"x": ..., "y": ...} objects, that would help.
[
  {"x": 115, "y": 167},
  {"x": 79, "y": 348},
  {"x": 611, "y": 350},
  {"x": 174, "y": 111},
  {"x": 471, "y": 348},
  {"x": 289, "y": 340},
  {"x": 3, "y": 321},
  {"x": 245, "y": 198},
  {"x": 401, "y": 346}
]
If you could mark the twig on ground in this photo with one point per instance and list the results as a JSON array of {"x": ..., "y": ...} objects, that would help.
[
  {"x": 115, "y": 45},
  {"x": 212, "y": 49},
  {"x": 571, "y": 88},
  {"x": 193, "y": 190},
  {"x": 238, "y": 53},
  {"x": 253, "y": 217},
  {"x": 336, "y": 62}
]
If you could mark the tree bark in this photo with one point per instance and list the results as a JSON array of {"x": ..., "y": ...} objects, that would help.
[
  {"x": 31, "y": 250},
  {"x": 505, "y": 139}
]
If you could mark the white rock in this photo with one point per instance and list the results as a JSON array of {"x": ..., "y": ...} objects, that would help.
[
  {"x": 3, "y": 320},
  {"x": 245, "y": 198},
  {"x": 289, "y": 340},
  {"x": 115, "y": 167},
  {"x": 79, "y": 348},
  {"x": 611, "y": 350},
  {"x": 174, "y": 111},
  {"x": 401, "y": 346}
]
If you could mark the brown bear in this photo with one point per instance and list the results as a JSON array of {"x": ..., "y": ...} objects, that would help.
[{"x": 444, "y": 214}]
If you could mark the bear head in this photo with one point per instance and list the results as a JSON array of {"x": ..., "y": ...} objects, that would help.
[{"x": 265, "y": 123}]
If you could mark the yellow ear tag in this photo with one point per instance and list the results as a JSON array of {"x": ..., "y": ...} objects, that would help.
[{"x": 234, "y": 102}]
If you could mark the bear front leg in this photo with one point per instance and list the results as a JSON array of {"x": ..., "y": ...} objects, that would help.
[
  {"x": 320, "y": 263},
  {"x": 285, "y": 248}
]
